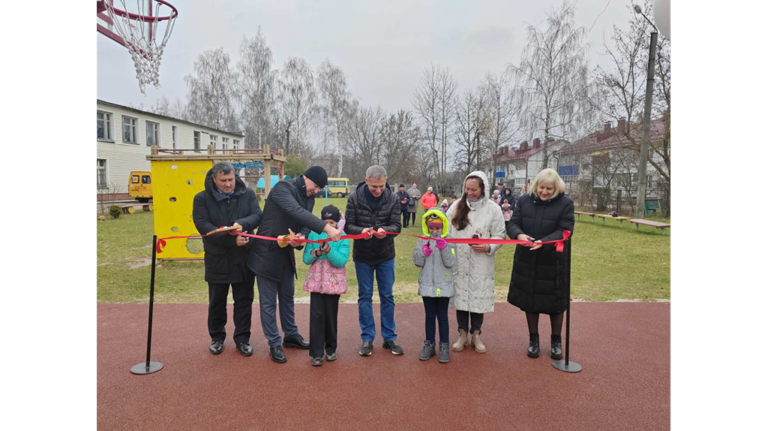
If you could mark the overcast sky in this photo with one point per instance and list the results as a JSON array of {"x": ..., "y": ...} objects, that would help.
[{"x": 383, "y": 47}]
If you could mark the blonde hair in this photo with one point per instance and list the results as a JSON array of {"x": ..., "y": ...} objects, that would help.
[{"x": 548, "y": 176}]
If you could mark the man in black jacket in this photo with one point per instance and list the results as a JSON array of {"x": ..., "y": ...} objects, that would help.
[
  {"x": 289, "y": 206},
  {"x": 402, "y": 196},
  {"x": 226, "y": 201},
  {"x": 374, "y": 209}
]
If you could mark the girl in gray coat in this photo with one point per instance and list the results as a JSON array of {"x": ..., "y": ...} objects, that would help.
[{"x": 435, "y": 280}]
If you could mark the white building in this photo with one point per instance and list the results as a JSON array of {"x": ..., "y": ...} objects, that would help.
[
  {"x": 608, "y": 159},
  {"x": 517, "y": 167},
  {"x": 124, "y": 136}
]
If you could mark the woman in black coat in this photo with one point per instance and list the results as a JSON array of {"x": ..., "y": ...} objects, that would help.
[
  {"x": 541, "y": 276},
  {"x": 510, "y": 197}
]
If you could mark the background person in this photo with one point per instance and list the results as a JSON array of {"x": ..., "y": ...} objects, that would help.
[
  {"x": 413, "y": 203},
  {"x": 402, "y": 196},
  {"x": 429, "y": 200}
]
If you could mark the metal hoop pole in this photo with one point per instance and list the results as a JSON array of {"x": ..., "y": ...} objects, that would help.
[
  {"x": 566, "y": 365},
  {"x": 150, "y": 367}
]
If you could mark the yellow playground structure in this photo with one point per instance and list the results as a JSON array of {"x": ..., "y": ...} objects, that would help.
[{"x": 178, "y": 175}]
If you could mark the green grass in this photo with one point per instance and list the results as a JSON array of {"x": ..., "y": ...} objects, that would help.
[{"x": 609, "y": 263}]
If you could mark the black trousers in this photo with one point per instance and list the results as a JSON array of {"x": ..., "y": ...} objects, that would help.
[
  {"x": 405, "y": 217},
  {"x": 413, "y": 222},
  {"x": 462, "y": 318},
  {"x": 323, "y": 315},
  {"x": 242, "y": 293}
]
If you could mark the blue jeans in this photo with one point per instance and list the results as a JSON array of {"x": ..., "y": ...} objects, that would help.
[{"x": 385, "y": 278}]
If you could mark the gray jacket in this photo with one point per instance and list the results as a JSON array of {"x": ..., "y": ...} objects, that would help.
[
  {"x": 437, "y": 270},
  {"x": 416, "y": 195}
]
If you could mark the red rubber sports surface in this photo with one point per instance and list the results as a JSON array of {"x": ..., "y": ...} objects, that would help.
[{"x": 623, "y": 347}]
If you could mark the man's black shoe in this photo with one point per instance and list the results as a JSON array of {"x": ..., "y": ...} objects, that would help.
[
  {"x": 393, "y": 347},
  {"x": 277, "y": 355},
  {"x": 296, "y": 341},
  {"x": 245, "y": 349},
  {"x": 216, "y": 347},
  {"x": 367, "y": 348}
]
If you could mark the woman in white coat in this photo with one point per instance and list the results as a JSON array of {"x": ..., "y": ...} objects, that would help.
[{"x": 474, "y": 214}]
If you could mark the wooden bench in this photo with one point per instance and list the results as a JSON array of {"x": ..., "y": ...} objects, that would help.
[
  {"x": 605, "y": 216},
  {"x": 129, "y": 208},
  {"x": 579, "y": 213},
  {"x": 657, "y": 225}
]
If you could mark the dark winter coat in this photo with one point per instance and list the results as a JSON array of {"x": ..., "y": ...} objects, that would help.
[
  {"x": 359, "y": 216},
  {"x": 287, "y": 207},
  {"x": 403, "y": 196},
  {"x": 509, "y": 196},
  {"x": 541, "y": 278},
  {"x": 225, "y": 261}
]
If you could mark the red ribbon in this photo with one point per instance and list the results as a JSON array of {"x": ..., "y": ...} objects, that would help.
[
  {"x": 559, "y": 244},
  {"x": 160, "y": 245}
]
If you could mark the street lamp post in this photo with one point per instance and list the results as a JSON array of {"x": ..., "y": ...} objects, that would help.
[{"x": 644, "y": 145}]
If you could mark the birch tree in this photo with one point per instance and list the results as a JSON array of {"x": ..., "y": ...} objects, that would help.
[
  {"x": 334, "y": 109},
  {"x": 469, "y": 123},
  {"x": 501, "y": 114},
  {"x": 256, "y": 84},
  {"x": 210, "y": 89},
  {"x": 399, "y": 140},
  {"x": 295, "y": 105}
]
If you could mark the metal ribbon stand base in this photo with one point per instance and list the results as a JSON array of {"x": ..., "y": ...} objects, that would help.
[
  {"x": 566, "y": 365},
  {"x": 150, "y": 367}
]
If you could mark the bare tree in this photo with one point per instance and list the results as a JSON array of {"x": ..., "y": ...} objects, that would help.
[
  {"x": 501, "y": 114},
  {"x": 210, "y": 89},
  {"x": 256, "y": 83},
  {"x": 470, "y": 121},
  {"x": 604, "y": 170},
  {"x": 551, "y": 78},
  {"x": 621, "y": 89},
  {"x": 178, "y": 109},
  {"x": 334, "y": 109},
  {"x": 296, "y": 104},
  {"x": 434, "y": 104},
  {"x": 364, "y": 137},
  {"x": 163, "y": 106},
  {"x": 426, "y": 164},
  {"x": 105, "y": 194},
  {"x": 399, "y": 141}
]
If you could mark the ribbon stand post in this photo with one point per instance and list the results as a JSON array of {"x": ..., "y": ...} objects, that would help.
[
  {"x": 566, "y": 365},
  {"x": 150, "y": 367}
]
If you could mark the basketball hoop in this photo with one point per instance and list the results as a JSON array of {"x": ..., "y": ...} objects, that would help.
[{"x": 136, "y": 28}]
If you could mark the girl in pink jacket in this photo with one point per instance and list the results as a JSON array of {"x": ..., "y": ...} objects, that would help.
[{"x": 326, "y": 281}]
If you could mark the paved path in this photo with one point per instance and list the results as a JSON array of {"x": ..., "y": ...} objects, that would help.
[{"x": 623, "y": 347}]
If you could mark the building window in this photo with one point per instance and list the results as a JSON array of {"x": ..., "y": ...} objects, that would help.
[
  {"x": 224, "y": 142},
  {"x": 235, "y": 144},
  {"x": 153, "y": 134},
  {"x": 103, "y": 125},
  {"x": 129, "y": 129},
  {"x": 173, "y": 136},
  {"x": 214, "y": 141},
  {"x": 197, "y": 141},
  {"x": 101, "y": 173}
]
